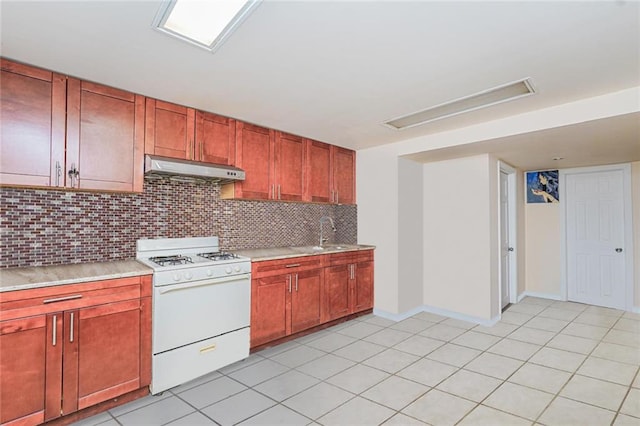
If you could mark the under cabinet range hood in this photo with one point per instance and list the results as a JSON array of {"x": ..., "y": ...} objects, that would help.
[{"x": 154, "y": 165}]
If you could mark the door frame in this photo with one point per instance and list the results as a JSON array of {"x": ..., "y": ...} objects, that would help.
[
  {"x": 513, "y": 227},
  {"x": 628, "y": 226}
]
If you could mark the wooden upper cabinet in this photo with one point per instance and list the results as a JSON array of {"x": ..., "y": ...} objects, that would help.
[
  {"x": 289, "y": 170},
  {"x": 32, "y": 114},
  {"x": 215, "y": 139},
  {"x": 344, "y": 175},
  {"x": 255, "y": 155},
  {"x": 179, "y": 132},
  {"x": 170, "y": 130},
  {"x": 105, "y": 137},
  {"x": 318, "y": 172}
]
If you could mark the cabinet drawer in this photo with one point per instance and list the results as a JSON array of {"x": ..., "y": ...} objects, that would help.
[
  {"x": 23, "y": 303},
  {"x": 350, "y": 257},
  {"x": 284, "y": 266}
]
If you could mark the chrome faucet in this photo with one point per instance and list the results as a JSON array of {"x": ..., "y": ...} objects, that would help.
[{"x": 333, "y": 226}]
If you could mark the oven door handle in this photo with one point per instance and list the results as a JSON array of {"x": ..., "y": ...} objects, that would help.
[{"x": 214, "y": 281}]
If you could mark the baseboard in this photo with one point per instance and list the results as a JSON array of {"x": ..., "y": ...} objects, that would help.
[
  {"x": 539, "y": 295},
  {"x": 437, "y": 311},
  {"x": 397, "y": 317}
]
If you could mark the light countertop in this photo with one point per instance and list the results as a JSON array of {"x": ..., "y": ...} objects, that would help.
[
  {"x": 262, "y": 254},
  {"x": 45, "y": 276}
]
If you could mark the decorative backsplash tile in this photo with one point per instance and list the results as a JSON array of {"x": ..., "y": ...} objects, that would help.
[{"x": 51, "y": 227}]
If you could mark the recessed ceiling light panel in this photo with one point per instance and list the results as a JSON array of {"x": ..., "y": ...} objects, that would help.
[
  {"x": 496, "y": 95},
  {"x": 203, "y": 23}
]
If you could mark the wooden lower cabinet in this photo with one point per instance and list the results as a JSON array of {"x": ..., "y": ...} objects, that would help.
[
  {"x": 306, "y": 298},
  {"x": 296, "y": 294},
  {"x": 337, "y": 288},
  {"x": 284, "y": 304},
  {"x": 61, "y": 361},
  {"x": 348, "y": 284},
  {"x": 23, "y": 358},
  {"x": 268, "y": 308}
]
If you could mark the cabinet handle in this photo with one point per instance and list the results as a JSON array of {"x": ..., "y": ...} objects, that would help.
[
  {"x": 337, "y": 196},
  {"x": 208, "y": 349},
  {"x": 63, "y": 299},
  {"x": 279, "y": 198},
  {"x": 296, "y": 282},
  {"x": 74, "y": 175},
  {"x": 292, "y": 266},
  {"x": 289, "y": 281},
  {"x": 54, "y": 338},
  {"x": 332, "y": 195},
  {"x": 71, "y": 329},
  {"x": 201, "y": 151},
  {"x": 352, "y": 271},
  {"x": 58, "y": 173}
]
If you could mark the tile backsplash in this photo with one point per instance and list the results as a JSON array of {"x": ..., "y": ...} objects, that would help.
[{"x": 51, "y": 227}]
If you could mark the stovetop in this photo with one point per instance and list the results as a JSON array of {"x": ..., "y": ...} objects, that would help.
[
  {"x": 178, "y": 253},
  {"x": 179, "y": 259}
]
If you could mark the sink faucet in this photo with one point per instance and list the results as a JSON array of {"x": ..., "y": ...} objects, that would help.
[{"x": 333, "y": 226}]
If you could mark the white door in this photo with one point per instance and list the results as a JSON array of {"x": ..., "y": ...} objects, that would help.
[
  {"x": 505, "y": 249},
  {"x": 595, "y": 238}
]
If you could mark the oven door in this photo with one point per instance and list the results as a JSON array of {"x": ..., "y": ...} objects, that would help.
[{"x": 195, "y": 311}]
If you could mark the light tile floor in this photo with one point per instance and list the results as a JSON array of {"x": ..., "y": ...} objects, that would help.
[{"x": 545, "y": 363}]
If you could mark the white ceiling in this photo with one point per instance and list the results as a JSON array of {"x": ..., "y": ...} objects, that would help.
[{"x": 335, "y": 70}]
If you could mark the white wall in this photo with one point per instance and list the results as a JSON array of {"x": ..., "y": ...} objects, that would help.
[
  {"x": 377, "y": 180},
  {"x": 410, "y": 232},
  {"x": 542, "y": 239},
  {"x": 378, "y": 186},
  {"x": 635, "y": 191},
  {"x": 460, "y": 236}
]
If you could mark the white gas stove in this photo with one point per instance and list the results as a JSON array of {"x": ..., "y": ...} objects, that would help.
[{"x": 201, "y": 308}]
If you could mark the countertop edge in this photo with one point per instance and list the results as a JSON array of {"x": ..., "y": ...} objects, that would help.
[
  {"x": 293, "y": 253},
  {"x": 34, "y": 277}
]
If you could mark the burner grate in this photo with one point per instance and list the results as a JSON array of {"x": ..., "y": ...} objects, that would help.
[
  {"x": 171, "y": 260},
  {"x": 218, "y": 255}
]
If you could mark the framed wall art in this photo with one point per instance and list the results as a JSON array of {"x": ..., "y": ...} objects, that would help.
[{"x": 542, "y": 187}]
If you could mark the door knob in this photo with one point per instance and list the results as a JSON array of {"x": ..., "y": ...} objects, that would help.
[{"x": 619, "y": 250}]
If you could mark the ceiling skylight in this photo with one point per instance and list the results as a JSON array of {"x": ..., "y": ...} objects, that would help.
[
  {"x": 203, "y": 23},
  {"x": 486, "y": 98}
]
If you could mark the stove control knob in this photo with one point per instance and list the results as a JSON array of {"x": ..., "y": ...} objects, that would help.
[
  {"x": 228, "y": 270},
  {"x": 176, "y": 277},
  {"x": 237, "y": 269},
  {"x": 209, "y": 272},
  {"x": 188, "y": 275}
]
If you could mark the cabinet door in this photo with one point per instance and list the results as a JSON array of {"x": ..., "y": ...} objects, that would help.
[
  {"x": 32, "y": 123},
  {"x": 169, "y": 130},
  {"x": 363, "y": 286},
  {"x": 269, "y": 310},
  {"x": 318, "y": 172},
  {"x": 101, "y": 354},
  {"x": 306, "y": 299},
  {"x": 105, "y": 137},
  {"x": 254, "y": 154},
  {"x": 337, "y": 289},
  {"x": 289, "y": 167},
  {"x": 344, "y": 175},
  {"x": 215, "y": 139},
  {"x": 30, "y": 369}
]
